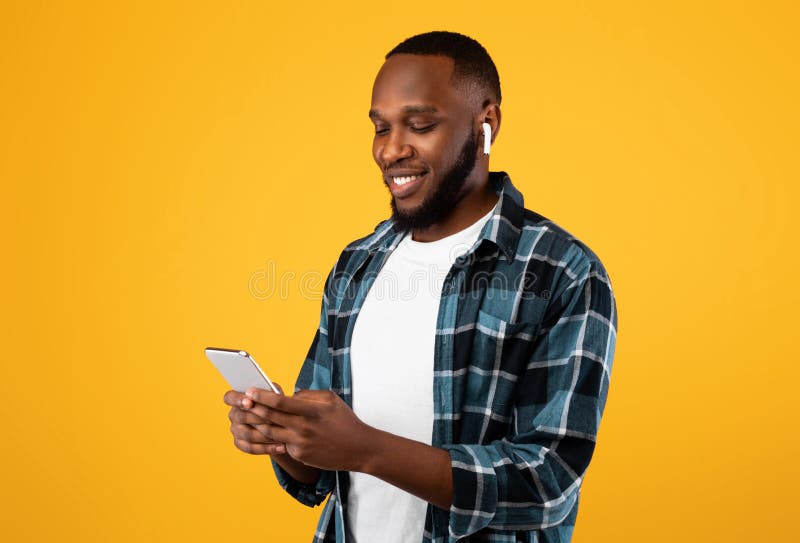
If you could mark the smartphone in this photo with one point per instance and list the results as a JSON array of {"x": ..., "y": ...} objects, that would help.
[{"x": 239, "y": 369}]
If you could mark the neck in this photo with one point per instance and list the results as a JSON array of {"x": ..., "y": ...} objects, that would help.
[{"x": 475, "y": 204}]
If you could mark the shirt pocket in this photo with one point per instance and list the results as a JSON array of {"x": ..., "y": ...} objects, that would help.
[{"x": 499, "y": 357}]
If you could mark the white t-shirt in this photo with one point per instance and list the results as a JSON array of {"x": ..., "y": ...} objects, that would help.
[{"x": 392, "y": 374}]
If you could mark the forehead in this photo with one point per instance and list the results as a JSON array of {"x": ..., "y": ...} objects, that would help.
[{"x": 405, "y": 80}]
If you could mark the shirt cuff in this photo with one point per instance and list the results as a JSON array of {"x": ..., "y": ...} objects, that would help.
[
  {"x": 307, "y": 494},
  {"x": 474, "y": 489}
]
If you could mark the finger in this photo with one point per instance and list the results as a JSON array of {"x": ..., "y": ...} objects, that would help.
[
  {"x": 267, "y": 429},
  {"x": 233, "y": 398},
  {"x": 261, "y": 411},
  {"x": 263, "y": 428},
  {"x": 323, "y": 396},
  {"x": 261, "y": 414},
  {"x": 248, "y": 433},
  {"x": 250, "y": 448},
  {"x": 287, "y": 404},
  {"x": 277, "y": 434},
  {"x": 259, "y": 448},
  {"x": 237, "y": 399},
  {"x": 279, "y": 418},
  {"x": 247, "y": 417},
  {"x": 252, "y": 394},
  {"x": 275, "y": 448}
]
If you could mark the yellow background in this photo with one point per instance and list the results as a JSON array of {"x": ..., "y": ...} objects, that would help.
[{"x": 156, "y": 157}]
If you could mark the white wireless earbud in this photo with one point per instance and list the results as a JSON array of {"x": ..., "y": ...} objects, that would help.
[{"x": 487, "y": 138}]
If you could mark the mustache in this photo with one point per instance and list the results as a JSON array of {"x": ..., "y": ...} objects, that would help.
[{"x": 402, "y": 164}]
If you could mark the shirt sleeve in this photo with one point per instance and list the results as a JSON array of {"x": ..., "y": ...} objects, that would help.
[
  {"x": 315, "y": 374},
  {"x": 530, "y": 480}
]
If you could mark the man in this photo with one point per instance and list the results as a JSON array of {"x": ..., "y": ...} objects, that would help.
[{"x": 464, "y": 403}]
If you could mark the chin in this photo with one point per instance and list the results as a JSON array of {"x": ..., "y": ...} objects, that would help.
[{"x": 411, "y": 204}]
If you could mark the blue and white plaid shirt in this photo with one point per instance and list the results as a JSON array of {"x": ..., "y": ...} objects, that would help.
[{"x": 524, "y": 343}]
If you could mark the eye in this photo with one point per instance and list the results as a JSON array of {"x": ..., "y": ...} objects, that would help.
[
  {"x": 424, "y": 128},
  {"x": 381, "y": 130}
]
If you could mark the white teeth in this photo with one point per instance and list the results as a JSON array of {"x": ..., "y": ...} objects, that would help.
[{"x": 404, "y": 180}]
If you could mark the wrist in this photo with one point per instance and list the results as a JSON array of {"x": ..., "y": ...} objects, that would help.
[
  {"x": 372, "y": 445},
  {"x": 300, "y": 472}
]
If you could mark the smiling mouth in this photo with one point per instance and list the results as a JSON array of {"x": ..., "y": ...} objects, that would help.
[
  {"x": 403, "y": 186},
  {"x": 405, "y": 179}
]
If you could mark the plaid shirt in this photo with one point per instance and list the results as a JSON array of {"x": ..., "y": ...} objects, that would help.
[{"x": 524, "y": 343}]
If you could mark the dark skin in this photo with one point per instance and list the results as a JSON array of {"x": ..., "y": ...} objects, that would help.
[{"x": 422, "y": 118}]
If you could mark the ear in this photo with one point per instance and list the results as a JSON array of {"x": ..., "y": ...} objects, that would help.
[{"x": 491, "y": 114}]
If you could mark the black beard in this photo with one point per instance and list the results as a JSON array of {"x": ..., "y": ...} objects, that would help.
[{"x": 443, "y": 200}]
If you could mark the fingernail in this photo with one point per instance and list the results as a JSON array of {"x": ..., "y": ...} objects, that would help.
[
  {"x": 280, "y": 449},
  {"x": 249, "y": 394},
  {"x": 245, "y": 403}
]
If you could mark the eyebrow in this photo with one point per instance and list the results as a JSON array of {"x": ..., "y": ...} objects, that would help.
[{"x": 408, "y": 110}]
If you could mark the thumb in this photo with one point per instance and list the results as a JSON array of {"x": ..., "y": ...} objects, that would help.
[{"x": 323, "y": 396}]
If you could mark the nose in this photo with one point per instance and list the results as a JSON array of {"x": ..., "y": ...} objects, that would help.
[{"x": 394, "y": 148}]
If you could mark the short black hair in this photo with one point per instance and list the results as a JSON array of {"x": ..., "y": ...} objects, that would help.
[{"x": 471, "y": 61}]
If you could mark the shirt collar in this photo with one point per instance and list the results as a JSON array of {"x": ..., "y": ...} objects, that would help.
[
  {"x": 505, "y": 226},
  {"x": 502, "y": 229}
]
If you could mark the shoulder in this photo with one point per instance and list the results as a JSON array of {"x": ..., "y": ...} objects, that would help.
[
  {"x": 357, "y": 251},
  {"x": 556, "y": 253},
  {"x": 381, "y": 231},
  {"x": 382, "y": 236}
]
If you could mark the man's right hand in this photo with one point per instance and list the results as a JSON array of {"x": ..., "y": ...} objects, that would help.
[
  {"x": 248, "y": 425},
  {"x": 249, "y": 422}
]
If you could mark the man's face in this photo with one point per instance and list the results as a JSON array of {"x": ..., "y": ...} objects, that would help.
[{"x": 425, "y": 142}]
